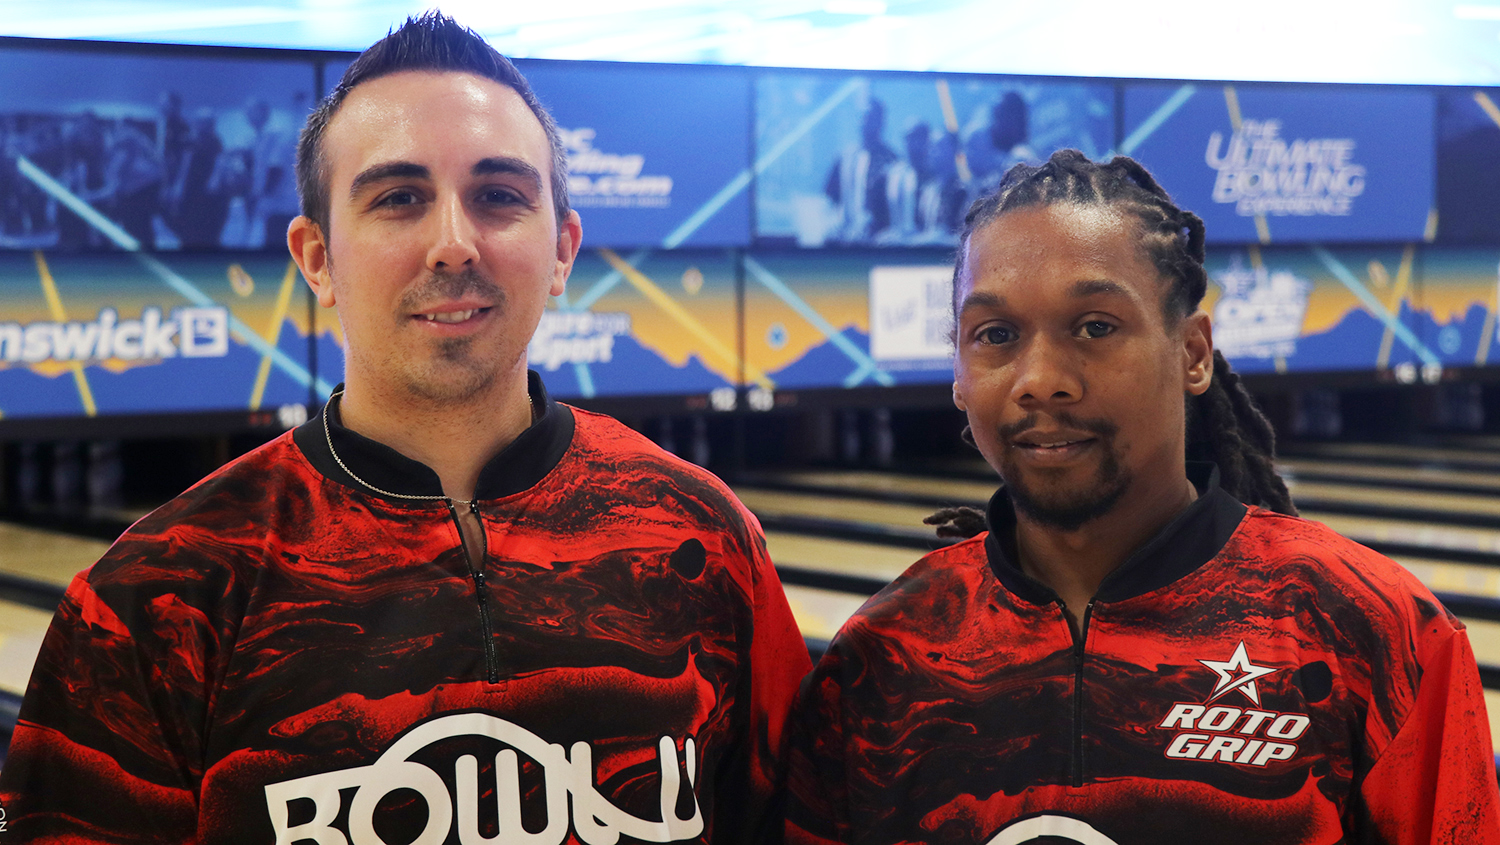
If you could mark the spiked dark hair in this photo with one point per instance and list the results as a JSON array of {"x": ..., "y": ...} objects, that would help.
[
  {"x": 1223, "y": 424},
  {"x": 430, "y": 42}
]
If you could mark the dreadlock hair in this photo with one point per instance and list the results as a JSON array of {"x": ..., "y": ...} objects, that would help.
[
  {"x": 1223, "y": 424},
  {"x": 430, "y": 42}
]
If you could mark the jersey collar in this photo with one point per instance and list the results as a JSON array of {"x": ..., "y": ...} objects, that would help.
[
  {"x": 517, "y": 467},
  {"x": 1190, "y": 540}
]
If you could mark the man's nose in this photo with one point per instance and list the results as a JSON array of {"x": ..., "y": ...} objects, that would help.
[
  {"x": 1047, "y": 371},
  {"x": 454, "y": 239}
]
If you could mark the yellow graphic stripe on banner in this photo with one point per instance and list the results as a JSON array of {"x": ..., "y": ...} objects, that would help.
[
  {"x": 1398, "y": 292},
  {"x": 638, "y": 280},
  {"x": 950, "y": 122},
  {"x": 273, "y": 333},
  {"x": 54, "y": 304},
  {"x": 1232, "y": 102},
  {"x": 1488, "y": 105},
  {"x": 1485, "y": 334}
]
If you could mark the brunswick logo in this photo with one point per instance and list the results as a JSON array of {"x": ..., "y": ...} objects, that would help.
[
  {"x": 188, "y": 332},
  {"x": 1225, "y": 734},
  {"x": 567, "y": 772}
]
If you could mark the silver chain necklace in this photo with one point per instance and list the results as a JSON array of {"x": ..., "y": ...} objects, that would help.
[{"x": 328, "y": 436}]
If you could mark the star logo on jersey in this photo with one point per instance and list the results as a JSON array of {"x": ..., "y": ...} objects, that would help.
[{"x": 1238, "y": 674}]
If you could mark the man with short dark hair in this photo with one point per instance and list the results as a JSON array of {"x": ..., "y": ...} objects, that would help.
[{"x": 448, "y": 608}]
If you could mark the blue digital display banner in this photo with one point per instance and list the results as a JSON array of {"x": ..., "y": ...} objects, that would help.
[
  {"x": 102, "y": 151},
  {"x": 896, "y": 159},
  {"x": 1468, "y": 166},
  {"x": 91, "y": 335},
  {"x": 657, "y": 155},
  {"x": 1278, "y": 164}
]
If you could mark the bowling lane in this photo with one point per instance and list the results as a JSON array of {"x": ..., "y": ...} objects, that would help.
[
  {"x": 1422, "y": 546},
  {"x": 820, "y": 603},
  {"x": 1435, "y": 538},
  {"x": 1478, "y": 506},
  {"x": 21, "y": 632},
  {"x": 819, "y": 612},
  {"x": 35, "y": 566},
  {"x": 1484, "y": 636},
  {"x": 1389, "y": 475},
  {"x": 1442, "y": 576},
  {"x": 833, "y": 495},
  {"x": 47, "y": 557},
  {"x": 803, "y": 553},
  {"x": 778, "y": 503},
  {"x": 952, "y": 489},
  {"x": 1457, "y": 504},
  {"x": 1393, "y": 453}
]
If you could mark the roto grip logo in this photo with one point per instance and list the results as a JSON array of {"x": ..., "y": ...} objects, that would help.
[
  {"x": 567, "y": 772},
  {"x": 189, "y": 332},
  {"x": 1252, "y": 737},
  {"x": 1262, "y": 174}
]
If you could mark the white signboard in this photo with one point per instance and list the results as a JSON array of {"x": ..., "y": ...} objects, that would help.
[{"x": 911, "y": 313}]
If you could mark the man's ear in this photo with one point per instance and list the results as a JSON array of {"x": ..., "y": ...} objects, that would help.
[
  {"x": 569, "y": 237},
  {"x": 304, "y": 239},
  {"x": 1198, "y": 352},
  {"x": 958, "y": 398}
]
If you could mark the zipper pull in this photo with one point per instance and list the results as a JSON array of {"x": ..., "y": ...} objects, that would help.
[
  {"x": 1083, "y": 629},
  {"x": 478, "y": 580}
]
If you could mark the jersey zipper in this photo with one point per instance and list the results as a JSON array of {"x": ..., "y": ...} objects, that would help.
[
  {"x": 1079, "y": 638},
  {"x": 476, "y": 574}
]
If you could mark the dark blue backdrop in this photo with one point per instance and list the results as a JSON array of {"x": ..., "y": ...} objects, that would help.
[{"x": 1374, "y": 147}]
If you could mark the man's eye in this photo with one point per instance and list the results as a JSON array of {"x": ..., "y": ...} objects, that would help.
[
  {"x": 996, "y": 335},
  {"x": 398, "y": 198},
  {"x": 1095, "y": 329},
  {"x": 501, "y": 196}
]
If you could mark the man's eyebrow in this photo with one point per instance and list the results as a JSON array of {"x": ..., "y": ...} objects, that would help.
[
  {"x": 1094, "y": 287},
  {"x": 387, "y": 170},
  {"x": 508, "y": 166},
  {"x": 980, "y": 299}
]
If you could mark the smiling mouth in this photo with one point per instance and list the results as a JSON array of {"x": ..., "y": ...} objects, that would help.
[
  {"x": 1054, "y": 445},
  {"x": 451, "y": 316}
]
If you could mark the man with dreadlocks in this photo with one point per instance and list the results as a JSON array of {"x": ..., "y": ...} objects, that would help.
[{"x": 1138, "y": 649}]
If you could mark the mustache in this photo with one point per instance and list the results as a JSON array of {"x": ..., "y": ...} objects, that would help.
[
  {"x": 440, "y": 286},
  {"x": 1102, "y": 428}
]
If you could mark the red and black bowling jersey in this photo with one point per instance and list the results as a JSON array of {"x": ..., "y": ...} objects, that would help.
[
  {"x": 280, "y": 655},
  {"x": 1244, "y": 677}
]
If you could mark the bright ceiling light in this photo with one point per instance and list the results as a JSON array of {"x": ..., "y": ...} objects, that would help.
[
  {"x": 139, "y": 23},
  {"x": 1476, "y": 12},
  {"x": 855, "y": 7}
]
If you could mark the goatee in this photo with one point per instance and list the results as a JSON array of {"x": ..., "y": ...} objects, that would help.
[{"x": 1067, "y": 510}]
